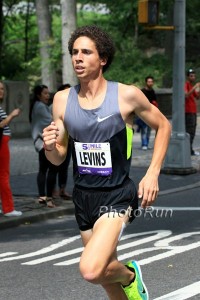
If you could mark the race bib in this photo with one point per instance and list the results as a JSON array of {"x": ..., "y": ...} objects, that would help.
[{"x": 93, "y": 158}]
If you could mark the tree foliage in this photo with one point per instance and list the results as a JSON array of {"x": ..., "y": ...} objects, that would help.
[{"x": 139, "y": 52}]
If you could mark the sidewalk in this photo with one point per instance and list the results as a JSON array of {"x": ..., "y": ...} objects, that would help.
[{"x": 24, "y": 167}]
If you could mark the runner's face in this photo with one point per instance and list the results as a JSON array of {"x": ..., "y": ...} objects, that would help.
[
  {"x": 1, "y": 91},
  {"x": 85, "y": 58}
]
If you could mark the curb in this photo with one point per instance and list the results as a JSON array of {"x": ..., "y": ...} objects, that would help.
[{"x": 31, "y": 217}]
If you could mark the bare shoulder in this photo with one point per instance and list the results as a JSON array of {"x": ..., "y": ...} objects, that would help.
[
  {"x": 131, "y": 95},
  {"x": 60, "y": 101},
  {"x": 61, "y": 95},
  {"x": 127, "y": 88}
]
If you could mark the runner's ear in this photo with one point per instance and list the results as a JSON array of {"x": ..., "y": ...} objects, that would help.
[{"x": 103, "y": 61}]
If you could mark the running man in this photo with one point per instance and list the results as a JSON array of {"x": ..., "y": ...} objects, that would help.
[{"x": 96, "y": 118}]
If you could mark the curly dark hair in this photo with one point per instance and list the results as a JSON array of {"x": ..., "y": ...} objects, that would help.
[{"x": 104, "y": 44}]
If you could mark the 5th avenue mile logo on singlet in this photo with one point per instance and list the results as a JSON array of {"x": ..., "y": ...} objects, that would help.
[{"x": 93, "y": 158}]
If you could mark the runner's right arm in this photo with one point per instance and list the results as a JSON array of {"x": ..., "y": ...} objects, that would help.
[{"x": 55, "y": 135}]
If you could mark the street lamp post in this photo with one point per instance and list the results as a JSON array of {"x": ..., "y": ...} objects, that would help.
[{"x": 178, "y": 157}]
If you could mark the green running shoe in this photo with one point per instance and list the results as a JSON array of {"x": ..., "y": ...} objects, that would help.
[{"x": 137, "y": 289}]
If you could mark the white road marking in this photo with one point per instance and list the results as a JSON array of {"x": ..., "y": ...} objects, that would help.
[
  {"x": 180, "y": 189},
  {"x": 159, "y": 245},
  {"x": 136, "y": 252},
  {"x": 7, "y": 254},
  {"x": 158, "y": 234},
  {"x": 52, "y": 257},
  {"x": 44, "y": 250},
  {"x": 166, "y": 242},
  {"x": 177, "y": 250},
  {"x": 184, "y": 293},
  {"x": 68, "y": 262},
  {"x": 177, "y": 208},
  {"x": 162, "y": 242}
]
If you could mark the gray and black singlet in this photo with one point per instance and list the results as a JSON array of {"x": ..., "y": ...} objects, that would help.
[{"x": 101, "y": 141}]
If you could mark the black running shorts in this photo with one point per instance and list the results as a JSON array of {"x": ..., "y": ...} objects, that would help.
[{"x": 90, "y": 204}]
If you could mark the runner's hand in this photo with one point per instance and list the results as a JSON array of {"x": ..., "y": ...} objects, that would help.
[
  {"x": 50, "y": 134},
  {"x": 148, "y": 190}
]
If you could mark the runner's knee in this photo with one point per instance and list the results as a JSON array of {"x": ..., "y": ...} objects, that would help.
[{"x": 92, "y": 272}]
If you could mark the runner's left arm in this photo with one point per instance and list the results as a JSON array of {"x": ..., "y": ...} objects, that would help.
[{"x": 150, "y": 114}]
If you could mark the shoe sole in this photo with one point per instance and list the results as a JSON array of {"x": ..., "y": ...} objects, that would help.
[{"x": 140, "y": 273}]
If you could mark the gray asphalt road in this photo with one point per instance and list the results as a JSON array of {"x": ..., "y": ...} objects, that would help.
[{"x": 40, "y": 261}]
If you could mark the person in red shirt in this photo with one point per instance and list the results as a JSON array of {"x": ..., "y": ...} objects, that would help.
[{"x": 191, "y": 94}]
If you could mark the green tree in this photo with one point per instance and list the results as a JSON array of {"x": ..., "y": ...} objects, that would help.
[{"x": 139, "y": 51}]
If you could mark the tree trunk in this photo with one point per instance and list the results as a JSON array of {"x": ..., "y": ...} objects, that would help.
[
  {"x": 45, "y": 36},
  {"x": 68, "y": 10}
]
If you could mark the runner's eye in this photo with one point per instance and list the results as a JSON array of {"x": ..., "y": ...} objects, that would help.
[
  {"x": 74, "y": 52},
  {"x": 86, "y": 51}
]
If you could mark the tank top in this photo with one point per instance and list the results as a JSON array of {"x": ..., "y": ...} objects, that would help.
[{"x": 101, "y": 142}]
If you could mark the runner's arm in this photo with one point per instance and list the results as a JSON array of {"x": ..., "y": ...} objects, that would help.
[
  {"x": 55, "y": 135},
  {"x": 148, "y": 187}
]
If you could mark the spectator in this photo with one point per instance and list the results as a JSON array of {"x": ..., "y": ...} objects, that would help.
[
  {"x": 145, "y": 130},
  {"x": 191, "y": 94},
  {"x": 40, "y": 116},
  {"x": 5, "y": 189}
]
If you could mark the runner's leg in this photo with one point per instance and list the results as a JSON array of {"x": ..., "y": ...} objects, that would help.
[
  {"x": 114, "y": 290},
  {"x": 98, "y": 263}
]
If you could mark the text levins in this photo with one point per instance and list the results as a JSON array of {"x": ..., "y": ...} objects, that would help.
[{"x": 92, "y": 158}]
